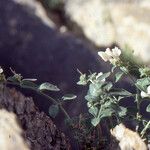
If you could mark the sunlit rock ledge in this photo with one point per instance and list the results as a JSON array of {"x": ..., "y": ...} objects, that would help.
[
  {"x": 104, "y": 22},
  {"x": 10, "y": 132}
]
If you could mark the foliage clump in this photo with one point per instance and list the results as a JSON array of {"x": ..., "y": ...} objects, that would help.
[{"x": 104, "y": 98}]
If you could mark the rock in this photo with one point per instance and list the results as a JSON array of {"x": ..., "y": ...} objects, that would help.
[
  {"x": 39, "y": 129},
  {"x": 10, "y": 132},
  {"x": 105, "y": 22},
  {"x": 36, "y": 9},
  {"x": 94, "y": 19},
  {"x": 132, "y": 25},
  {"x": 38, "y": 51}
]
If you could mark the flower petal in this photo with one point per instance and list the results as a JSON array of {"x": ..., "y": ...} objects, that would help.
[
  {"x": 104, "y": 56},
  {"x": 113, "y": 61},
  {"x": 109, "y": 52},
  {"x": 116, "y": 52}
]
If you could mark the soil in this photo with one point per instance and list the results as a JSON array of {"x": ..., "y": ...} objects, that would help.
[{"x": 38, "y": 128}]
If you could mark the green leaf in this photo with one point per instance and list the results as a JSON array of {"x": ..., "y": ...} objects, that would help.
[
  {"x": 69, "y": 97},
  {"x": 12, "y": 79},
  {"x": 53, "y": 110},
  {"x": 148, "y": 108},
  {"x": 107, "y": 86},
  {"x": 92, "y": 76},
  {"x": 143, "y": 83},
  {"x": 95, "y": 121},
  {"x": 118, "y": 76},
  {"x": 29, "y": 79},
  {"x": 28, "y": 84},
  {"x": 122, "y": 111},
  {"x": 103, "y": 76},
  {"x": 91, "y": 98},
  {"x": 83, "y": 80},
  {"x": 93, "y": 111},
  {"x": 95, "y": 90},
  {"x": 48, "y": 86},
  {"x": 120, "y": 92},
  {"x": 106, "y": 112}
]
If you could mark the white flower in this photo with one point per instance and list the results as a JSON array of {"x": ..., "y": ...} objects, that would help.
[
  {"x": 109, "y": 52},
  {"x": 104, "y": 56},
  {"x": 1, "y": 70},
  {"x": 146, "y": 94},
  {"x": 116, "y": 52},
  {"x": 110, "y": 55}
]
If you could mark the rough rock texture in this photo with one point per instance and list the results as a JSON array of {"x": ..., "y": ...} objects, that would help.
[
  {"x": 10, "y": 132},
  {"x": 39, "y": 129},
  {"x": 106, "y": 22}
]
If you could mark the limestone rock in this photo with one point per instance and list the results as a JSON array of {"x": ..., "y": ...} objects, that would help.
[
  {"x": 132, "y": 25},
  {"x": 10, "y": 132},
  {"x": 105, "y": 22},
  {"x": 94, "y": 19}
]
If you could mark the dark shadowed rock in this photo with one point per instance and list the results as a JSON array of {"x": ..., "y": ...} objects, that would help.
[
  {"x": 36, "y": 50},
  {"x": 39, "y": 129}
]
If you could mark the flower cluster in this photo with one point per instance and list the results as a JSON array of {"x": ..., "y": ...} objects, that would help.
[
  {"x": 110, "y": 55},
  {"x": 146, "y": 94}
]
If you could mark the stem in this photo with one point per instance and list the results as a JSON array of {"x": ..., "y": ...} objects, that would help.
[
  {"x": 138, "y": 99},
  {"x": 99, "y": 131},
  {"x": 138, "y": 117},
  {"x": 145, "y": 128},
  {"x": 43, "y": 94}
]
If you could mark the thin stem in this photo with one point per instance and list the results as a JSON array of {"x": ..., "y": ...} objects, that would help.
[
  {"x": 138, "y": 100},
  {"x": 64, "y": 111},
  {"x": 55, "y": 102},
  {"x": 144, "y": 130},
  {"x": 99, "y": 131},
  {"x": 138, "y": 116},
  {"x": 43, "y": 94}
]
